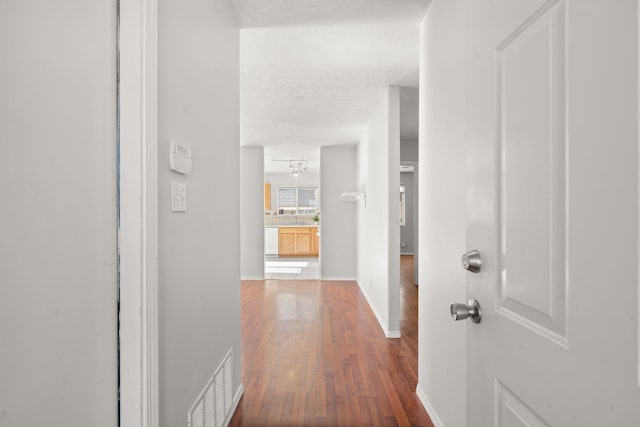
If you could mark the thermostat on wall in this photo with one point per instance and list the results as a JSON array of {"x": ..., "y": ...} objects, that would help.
[{"x": 179, "y": 158}]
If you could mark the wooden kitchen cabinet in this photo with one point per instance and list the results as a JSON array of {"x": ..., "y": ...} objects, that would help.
[
  {"x": 297, "y": 241},
  {"x": 267, "y": 197},
  {"x": 315, "y": 241},
  {"x": 286, "y": 241}
]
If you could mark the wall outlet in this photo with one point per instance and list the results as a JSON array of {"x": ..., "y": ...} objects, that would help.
[{"x": 403, "y": 244}]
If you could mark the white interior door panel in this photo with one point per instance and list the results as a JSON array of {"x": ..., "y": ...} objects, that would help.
[{"x": 552, "y": 93}]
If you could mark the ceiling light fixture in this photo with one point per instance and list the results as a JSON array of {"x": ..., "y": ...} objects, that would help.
[
  {"x": 298, "y": 169},
  {"x": 297, "y": 165}
]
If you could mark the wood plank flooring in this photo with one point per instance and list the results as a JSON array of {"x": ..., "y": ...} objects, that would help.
[{"x": 314, "y": 355}]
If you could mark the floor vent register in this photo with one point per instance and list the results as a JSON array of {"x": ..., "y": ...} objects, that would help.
[{"x": 212, "y": 407}]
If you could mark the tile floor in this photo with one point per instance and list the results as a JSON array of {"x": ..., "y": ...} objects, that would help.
[{"x": 291, "y": 268}]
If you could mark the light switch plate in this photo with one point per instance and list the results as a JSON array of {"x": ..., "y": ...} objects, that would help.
[{"x": 178, "y": 197}]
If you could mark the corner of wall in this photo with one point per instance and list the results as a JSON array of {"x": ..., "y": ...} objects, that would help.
[
  {"x": 435, "y": 419},
  {"x": 378, "y": 233},
  {"x": 383, "y": 324}
]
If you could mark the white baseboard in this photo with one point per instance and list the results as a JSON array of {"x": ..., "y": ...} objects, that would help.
[
  {"x": 252, "y": 278},
  {"x": 428, "y": 407},
  {"x": 393, "y": 334},
  {"x": 234, "y": 406},
  {"x": 381, "y": 322},
  {"x": 337, "y": 279}
]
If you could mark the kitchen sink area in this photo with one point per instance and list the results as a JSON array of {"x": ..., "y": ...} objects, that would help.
[{"x": 291, "y": 236}]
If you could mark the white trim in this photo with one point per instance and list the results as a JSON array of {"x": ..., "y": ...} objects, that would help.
[
  {"x": 338, "y": 279},
  {"x": 234, "y": 406},
  {"x": 252, "y": 278},
  {"x": 381, "y": 322},
  {"x": 393, "y": 334},
  {"x": 428, "y": 407},
  {"x": 138, "y": 213},
  {"x": 638, "y": 195}
]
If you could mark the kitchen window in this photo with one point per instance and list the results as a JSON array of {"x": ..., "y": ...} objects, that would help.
[{"x": 297, "y": 200}]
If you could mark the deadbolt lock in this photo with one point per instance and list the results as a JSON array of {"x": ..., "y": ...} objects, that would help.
[{"x": 471, "y": 261}]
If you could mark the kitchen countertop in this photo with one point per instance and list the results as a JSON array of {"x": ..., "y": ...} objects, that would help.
[{"x": 287, "y": 225}]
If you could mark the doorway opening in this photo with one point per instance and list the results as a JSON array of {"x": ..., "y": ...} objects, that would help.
[
  {"x": 291, "y": 214},
  {"x": 409, "y": 213}
]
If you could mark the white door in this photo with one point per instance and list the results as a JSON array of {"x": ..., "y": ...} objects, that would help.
[{"x": 553, "y": 210}]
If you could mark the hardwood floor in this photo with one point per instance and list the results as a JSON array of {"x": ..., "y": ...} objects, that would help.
[{"x": 314, "y": 355}]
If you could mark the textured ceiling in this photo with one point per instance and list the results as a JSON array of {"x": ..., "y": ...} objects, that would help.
[{"x": 312, "y": 71}]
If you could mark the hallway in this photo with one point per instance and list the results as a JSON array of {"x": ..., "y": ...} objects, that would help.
[{"x": 314, "y": 354}]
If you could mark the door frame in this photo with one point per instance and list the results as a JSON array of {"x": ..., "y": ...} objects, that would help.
[{"x": 137, "y": 218}]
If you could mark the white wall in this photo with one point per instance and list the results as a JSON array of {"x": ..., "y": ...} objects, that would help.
[
  {"x": 252, "y": 213},
  {"x": 338, "y": 219},
  {"x": 408, "y": 151},
  {"x": 58, "y": 220},
  {"x": 378, "y": 230},
  {"x": 308, "y": 180},
  {"x": 442, "y": 349},
  {"x": 199, "y": 251}
]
